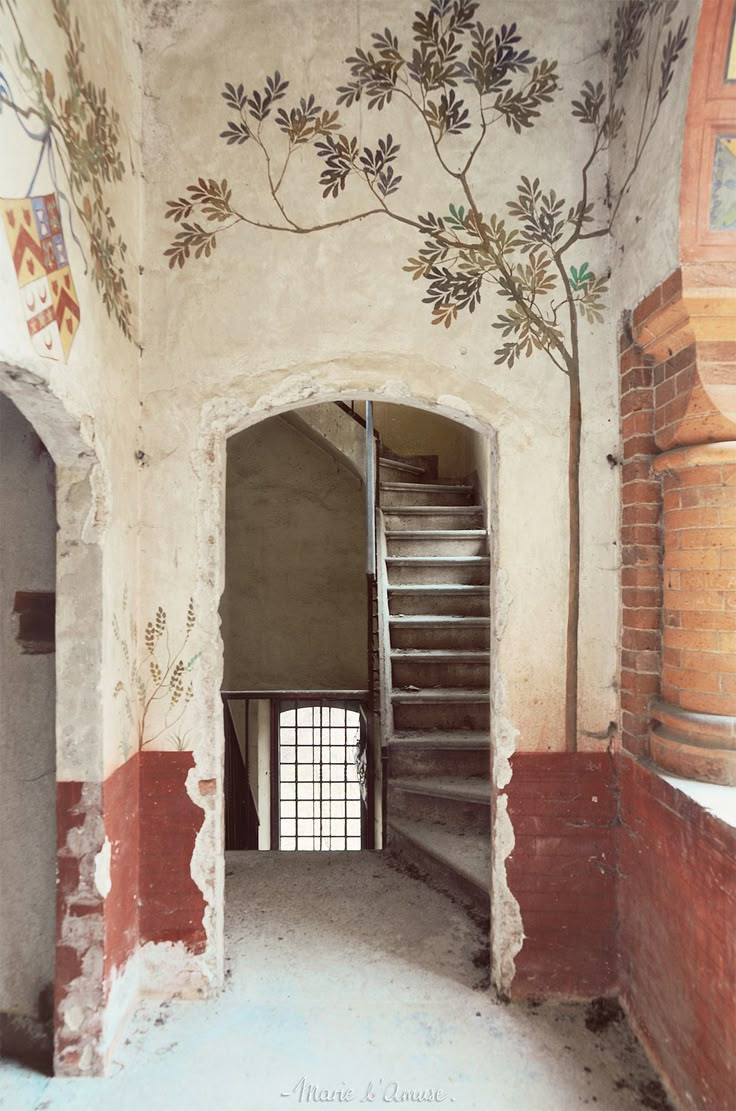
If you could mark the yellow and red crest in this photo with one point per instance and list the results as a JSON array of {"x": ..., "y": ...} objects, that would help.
[{"x": 50, "y": 304}]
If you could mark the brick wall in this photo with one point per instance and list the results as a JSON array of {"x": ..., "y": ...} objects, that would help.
[
  {"x": 677, "y": 908},
  {"x": 562, "y": 871},
  {"x": 641, "y": 549}
]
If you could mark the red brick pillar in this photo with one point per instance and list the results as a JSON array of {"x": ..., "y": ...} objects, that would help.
[
  {"x": 694, "y": 729},
  {"x": 678, "y": 398},
  {"x": 641, "y": 554}
]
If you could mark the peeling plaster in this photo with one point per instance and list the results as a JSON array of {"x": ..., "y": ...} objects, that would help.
[
  {"x": 502, "y": 602},
  {"x": 168, "y": 968},
  {"x": 122, "y": 996},
  {"x": 103, "y": 881},
  {"x": 506, "y": 923},
  {"x": 457, "y": 403},
  {"x": 507, "y": 926},
  {"x": 79, "y": 1011}
]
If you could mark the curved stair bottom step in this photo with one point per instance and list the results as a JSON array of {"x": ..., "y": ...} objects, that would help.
[
  {"x": 422, "y": 805},
  {"x": 457, "y": 864}
]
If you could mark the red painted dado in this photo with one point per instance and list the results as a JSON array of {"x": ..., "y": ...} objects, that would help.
[
  {"x": 677, "y": 909},
  {"x": 145, "y": 813},
  {"x": 172, "y": 906},
  {"x": 562, "y": 871},
  {"x": 120, "y": 799}
]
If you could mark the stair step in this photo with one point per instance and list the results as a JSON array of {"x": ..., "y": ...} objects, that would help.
[
  {"x": 458, "y": 863},
  {"x": 448, "y": 802},
  {"x": 447, "y": 542},
  {"x": 401, "y": 494},
  {"x": 427, "y": 589},
  {"x": 442, "y": 621},
  {"x": 430, "y": 570},
  {"x": 430, "y": 633},
  {"x": 433, "y": 510},
  {"x": 433, "y": 516},
  {"x": 438, "y": 655},
  {"x": 436, "y": 534},
  {"x": 435, "y": 600},
  {"x": 400, "y": 465},
  {"x": 439, "y": 561},
  {"x": 446, "y": 787},
  {"x": 462, "y": 675},
  {"x": 433, "y": 667},
  {"x": 442, "y": 754},
  {"x": 445, "y": 708},
  {"x": 462, "y": 740},
  {"x": 427, "y": 487},
  {"x": 439, "y": 694}
]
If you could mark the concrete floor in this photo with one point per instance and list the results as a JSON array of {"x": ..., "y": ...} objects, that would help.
[{"x": 344, "y": 973}]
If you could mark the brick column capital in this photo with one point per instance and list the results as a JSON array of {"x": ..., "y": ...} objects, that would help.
[{"x": 686, "y": 328}]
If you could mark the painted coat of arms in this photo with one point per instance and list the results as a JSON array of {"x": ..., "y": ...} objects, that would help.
[
  {"x": 65, "y": 135},
  {"x": 36, "y": 240}
]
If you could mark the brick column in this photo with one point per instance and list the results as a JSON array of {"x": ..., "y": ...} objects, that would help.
[
  {"x": 694, "y": 731},
  {"x": 641, "y": 553},
  {"x": 684, "y": 332}
]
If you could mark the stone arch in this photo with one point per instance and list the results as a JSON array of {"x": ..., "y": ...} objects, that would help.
[{"x": 220, "y": 418}]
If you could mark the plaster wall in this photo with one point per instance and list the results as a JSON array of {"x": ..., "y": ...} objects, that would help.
[
  {"x": 27, "y": 732},
  {"x": 646, "y": 232},
  {"x": 96, "y": 388},
  {"x": 294, "y": 607},
  {"x": 408, "y": 431},
  {"x": 271, "y": 322},
  {"x": 268, "y": 339}
]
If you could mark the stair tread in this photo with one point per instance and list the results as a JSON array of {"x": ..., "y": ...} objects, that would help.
[
  {"x": 440, "y": 694},
  {"x": 401, "y": 465},
  {"x": 430, "y": 654},
  {"x": 461, "y": 739},
  {"x": 429, "y": 510},
  {"x": 436, "y": 560},
  {"x": 436, "y": 534},
  {"x": 463, "y": 788},
  {"x": 439, "y": 588},
  {"x": 467, "y": 854},
  {"x": 424, "y": 487},
  {"x": 441, "y": 619}
]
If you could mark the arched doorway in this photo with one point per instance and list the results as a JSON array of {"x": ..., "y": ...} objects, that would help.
[
  {"x": 27, "y": 741},
  {"x": 51, "y": 706},
  {"x": 258, "y": 508}
]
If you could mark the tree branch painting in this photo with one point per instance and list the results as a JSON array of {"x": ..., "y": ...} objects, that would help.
[{"x": 462, "y": 78}]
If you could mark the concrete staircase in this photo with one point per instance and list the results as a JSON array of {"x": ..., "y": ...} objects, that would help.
[{"x": 438, "y": 601}]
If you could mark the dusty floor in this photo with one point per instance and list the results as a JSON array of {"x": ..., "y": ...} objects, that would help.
[{"x": 346, "y": 975}]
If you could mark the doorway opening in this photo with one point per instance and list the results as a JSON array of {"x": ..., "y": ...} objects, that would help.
[
  {"x": 320, "y": 789},
  {"x": 27, "y": 742}
]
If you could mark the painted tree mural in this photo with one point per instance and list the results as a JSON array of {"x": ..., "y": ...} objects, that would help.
[{"x": 463, "y": 77}]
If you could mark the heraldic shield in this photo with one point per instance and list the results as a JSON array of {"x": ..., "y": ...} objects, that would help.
[{"x": 42, "y": 269}]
